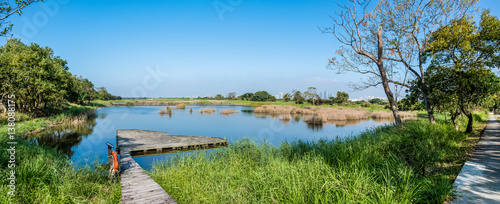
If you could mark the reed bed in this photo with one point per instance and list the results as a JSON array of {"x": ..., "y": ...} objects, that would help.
[
  {"x": 167, "y": 110},
  {"x": 390, "y": 115},
  {"x": 323, "y": 115},
  {"x": 190, "y": 110},
  {"x": 227, "y": 112},
  {"x": 180, "y": 106},
  {"x": 315, "y": 114},
  {"x": 208, "y": 110}
]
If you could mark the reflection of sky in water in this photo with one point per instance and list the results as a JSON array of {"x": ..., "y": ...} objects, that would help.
[{"x": 91, "y": 145}]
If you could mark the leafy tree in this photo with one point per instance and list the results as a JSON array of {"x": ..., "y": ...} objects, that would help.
[
  {"x": 271, "y": 98},
  {"x": 377, "y": 101},
  {"x": 40, "y": 81},
  {"x": 219, "y": 97},
  {"x": 9, "y": 8},
  {"x": 247, "y": 96},
  {"x": 34, "y": 75},
  {"x": 311, "y": 94},
  {"x": 461, "y": 56},
  {"x": 298, "y": 98},
  {"x": 103, "y": 94},
  {"x": 342, "y": 97},
  {"x": 394, "y": 33},
  {"x": 261, "y": 96},
  {"x": 287, "y": 97}
]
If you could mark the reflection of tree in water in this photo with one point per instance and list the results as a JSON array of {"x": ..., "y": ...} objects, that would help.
[
  {"x": 315, "y": 126},
  {"x": 64, "y": 137}
]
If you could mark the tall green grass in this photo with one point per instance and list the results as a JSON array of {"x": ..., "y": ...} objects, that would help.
[
  {"x": 45, "y": 176},
  {"x": 383, "y": 165}
]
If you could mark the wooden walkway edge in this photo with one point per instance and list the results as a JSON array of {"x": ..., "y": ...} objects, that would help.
[{"x": 137, "y": 186}]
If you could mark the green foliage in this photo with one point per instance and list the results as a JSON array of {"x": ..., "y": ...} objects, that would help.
[
  {"x": 462, "y": 55},
  {"x": 287, "y": 97},
  {"x": 377, "y": 101},
  {"x": 219, "y": 97},
  {"x": 261, "y": 96},
  {"x": 247, "y": 96},
  {"x": 31, "y": 73},
  {"x": 366, "y": 104},
  {"x": 41, "y": 81},
  {"x": 342, "y": 97},
  {"x": 45, "y": 176},
  {"x": 271, "y": 98},
  {"x": 298, "y": 98},
  {"x": 410, "y": 104}
]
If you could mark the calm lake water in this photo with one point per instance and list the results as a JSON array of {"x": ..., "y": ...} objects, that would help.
[{"x": 87, "y": 142}]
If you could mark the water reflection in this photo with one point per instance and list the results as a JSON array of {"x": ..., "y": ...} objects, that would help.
[
  {"x": 86, "y": 141},
  {"x": 64, "y": 137},
  {"x": 316, "y": 125}
]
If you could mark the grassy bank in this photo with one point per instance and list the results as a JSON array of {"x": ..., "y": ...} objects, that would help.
[
  {"x": 43, "y": 175},
  {"x": 415, "y": 163}
]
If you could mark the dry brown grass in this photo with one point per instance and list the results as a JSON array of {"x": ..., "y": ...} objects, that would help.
[
  {"x": 180, "y": 106},
  {"x": 381, "y": 114},
  {"x": 167, "y": 110},
  {"x": 227, "y": 112},
  {"x": 389, "y": 115},
  {"x": 208, "y": 110},
  {"x": 408, "y": 115},
  {"x": 190, "y": 109},
  {"x": 315, "y": 114}
]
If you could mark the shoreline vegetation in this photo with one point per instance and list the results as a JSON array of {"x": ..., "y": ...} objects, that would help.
[
  {"x": 415, "y": 163},
  {"x": 44, "y": 175},
  {"x": 247, "y": 172}
]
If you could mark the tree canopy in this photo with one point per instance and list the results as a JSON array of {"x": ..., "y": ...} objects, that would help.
[
  {"x": 39, "y": 80},
  {"x": 462, "y": 55}
]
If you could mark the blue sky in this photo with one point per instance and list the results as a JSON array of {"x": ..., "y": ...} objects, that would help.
[{"x": 199, "y": 49}]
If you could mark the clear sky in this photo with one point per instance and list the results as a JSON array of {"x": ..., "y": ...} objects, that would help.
[{"x": 199, "y": 47}]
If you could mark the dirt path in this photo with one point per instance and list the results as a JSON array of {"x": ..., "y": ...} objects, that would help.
[{"x": 479, "y": 180}]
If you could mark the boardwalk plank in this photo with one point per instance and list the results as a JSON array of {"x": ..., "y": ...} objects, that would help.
[{"x": 137, "y": 185}]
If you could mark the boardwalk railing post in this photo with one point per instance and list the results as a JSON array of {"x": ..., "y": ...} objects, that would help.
[{"x": 112, "y": 161}]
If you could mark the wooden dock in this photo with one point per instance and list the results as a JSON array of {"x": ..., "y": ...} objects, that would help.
[{"x": 137, "y": 185}]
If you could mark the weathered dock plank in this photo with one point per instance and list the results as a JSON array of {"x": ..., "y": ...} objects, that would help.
[{"x": 137, "y": 185}]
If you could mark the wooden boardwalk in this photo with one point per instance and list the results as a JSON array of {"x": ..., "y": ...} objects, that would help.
[{"x": 137, "y": 185}]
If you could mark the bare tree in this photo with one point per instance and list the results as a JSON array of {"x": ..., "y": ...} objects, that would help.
[
  {"x": 361, "y": 34},
  {"x": 409, "y": 27},
  {"x": 405, "y": 27}
]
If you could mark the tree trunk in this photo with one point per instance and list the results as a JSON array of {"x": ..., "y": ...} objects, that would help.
[
  {"x": 454, "y": 120},
  {"x": 383, "y": 76},
  {"x": 3, "y": 106},
  {"x": 469, "y": 123},
  {"x": 428, "y": 107}
]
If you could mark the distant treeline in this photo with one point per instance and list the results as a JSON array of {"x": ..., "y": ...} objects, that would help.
[
  {"x": 310, "y": 96},
  {"x": 40, "y": 81}
]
